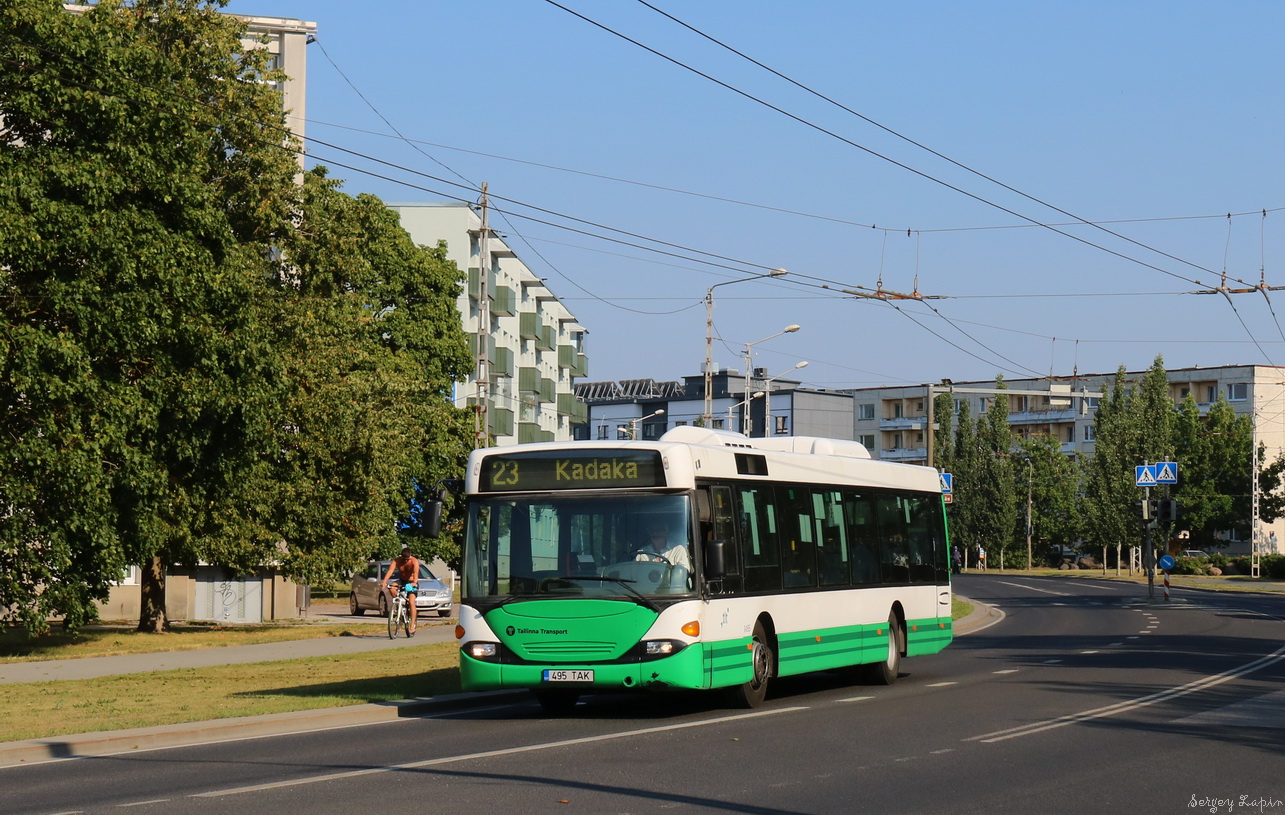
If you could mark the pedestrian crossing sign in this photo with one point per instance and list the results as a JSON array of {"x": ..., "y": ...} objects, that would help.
[
  {"x": 947, "y": 483},
  {"x": 1145, "y": 475},
  {"x": 1166, "y": 472}
]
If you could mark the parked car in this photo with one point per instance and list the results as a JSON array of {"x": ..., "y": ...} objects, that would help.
[
  {"x": 1193, "y": 553},
  {"x": 364, "y": 593}
]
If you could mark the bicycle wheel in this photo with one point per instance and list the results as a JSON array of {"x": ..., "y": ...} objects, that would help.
[{"x": 394, "y": 617}]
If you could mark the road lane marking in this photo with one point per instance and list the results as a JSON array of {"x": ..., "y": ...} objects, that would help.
[
  {"x": 1032, "y": 588},
  {"x": 434, "y": 762},
  {"x": 1009, "y": 671},
  {"x": 1132, "y": 704},
  {"x": 940, "y": 684},
  {"x": 856, "y": 699}
]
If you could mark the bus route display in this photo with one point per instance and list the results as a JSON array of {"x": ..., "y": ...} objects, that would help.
[{"x": 571, "y": 470}]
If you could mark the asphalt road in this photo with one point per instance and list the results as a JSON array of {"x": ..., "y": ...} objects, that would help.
[{"x": 1084, "y": 697}]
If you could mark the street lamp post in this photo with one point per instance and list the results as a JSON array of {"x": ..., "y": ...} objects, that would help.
[
  {"x": 745, "y": 404},
  {"x": 768, "y": 429},
  {"x": 633, "y": 423},
  {"x": 708, "y": 412},
  {"x": 749, "y": 369}
]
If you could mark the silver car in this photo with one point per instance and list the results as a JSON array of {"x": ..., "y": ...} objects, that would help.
[{"x": 433, "y": 594}]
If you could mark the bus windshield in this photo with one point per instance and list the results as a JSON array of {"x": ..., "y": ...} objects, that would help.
[{"x": 610, "y": 546}]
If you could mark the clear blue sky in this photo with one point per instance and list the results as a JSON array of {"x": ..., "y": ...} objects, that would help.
[{"x": 1148, "y": 114}]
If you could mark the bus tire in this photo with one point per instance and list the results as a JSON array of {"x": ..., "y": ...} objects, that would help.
[
  {"x": 557, "y": 702},
  {"x": 752, "y": 693},
  {"x": 885, "y": 672}
]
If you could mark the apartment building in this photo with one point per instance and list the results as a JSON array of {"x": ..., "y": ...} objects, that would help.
[
  {"x": 534, "y": 345},
  {"x": 893, "y": 422},
  {"x": 646, "y": 408}
]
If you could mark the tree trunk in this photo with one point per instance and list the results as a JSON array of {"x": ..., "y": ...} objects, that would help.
[{"x": 151, "y": 617}]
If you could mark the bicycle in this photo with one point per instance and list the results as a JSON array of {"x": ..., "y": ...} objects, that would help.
[{"x": 399, "y": 614}]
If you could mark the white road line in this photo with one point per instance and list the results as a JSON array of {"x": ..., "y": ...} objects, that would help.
[
  {"x": 1009, "y": 671},
  {"x": 433, "y": 762},
  {"x": 940, "y": 684},
  {"x": 856, "y": 699},
  {"x": 1132, "y": 704},
  {"x": 1032, "y": 588}
]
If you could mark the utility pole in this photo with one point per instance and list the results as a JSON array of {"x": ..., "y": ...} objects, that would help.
[{"x": 482, "y": 375}]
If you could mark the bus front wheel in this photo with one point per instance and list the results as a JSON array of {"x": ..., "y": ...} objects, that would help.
[
  {"x": 885, "y": 673},
  {"x": 752, "y": 693}
]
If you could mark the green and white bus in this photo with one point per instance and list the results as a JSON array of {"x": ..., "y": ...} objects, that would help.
[{"x": 783, "y": 555}]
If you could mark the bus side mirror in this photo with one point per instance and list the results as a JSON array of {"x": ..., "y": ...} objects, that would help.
[
  {"x": 433, "y": 517},
  {"x": 715, "y": 560}
]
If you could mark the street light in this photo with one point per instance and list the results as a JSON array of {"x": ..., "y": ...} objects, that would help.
[
  {"x": 768, "y": 429},
  {"x": 708, "y": 412},
  {"x": 633, "y": 423},
  {"x": 745, "y": 417},
  {"x": 746, "y": 404}
]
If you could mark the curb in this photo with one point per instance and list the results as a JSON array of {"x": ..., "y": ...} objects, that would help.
[
  {"x": 141, "y": 739},
  {"x": 982, "y": 616}
]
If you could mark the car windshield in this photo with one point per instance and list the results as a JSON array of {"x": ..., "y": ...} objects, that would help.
[{"x": 579, "y": 546}]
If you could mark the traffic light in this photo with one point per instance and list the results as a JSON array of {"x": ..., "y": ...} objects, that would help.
[
  {"x": 1167, "y": 511},
  {"x": 1142, "y": 510}
]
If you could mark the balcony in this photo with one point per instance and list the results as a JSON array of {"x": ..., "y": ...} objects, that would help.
[
  {"x": 905, "y": 454},
  {"x": 501, "y": 362},
  {"x": 529, "y": 325},
  {"x": 903, "y": 423},
  {"x": 529, "y": 380},
  {"x": 548, "y": 338}
]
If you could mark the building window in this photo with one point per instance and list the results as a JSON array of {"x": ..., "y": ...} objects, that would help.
[
  {"x": 718, "y": 424},
  {"x": 781, "y": 427},
  {"x": 1070, "y": 434},
  {"x": 622, "y": 431},
  {"x": 1089, "y": 434},
  {"x": 866, "y": 412},
  {"x": 1211, "y": 393},
  {"x": 867, "y": 441},
  {"x": 1237, "y": 391},
  {"x": 896, "y": 410},
  {"x": 602, "y": 431}
]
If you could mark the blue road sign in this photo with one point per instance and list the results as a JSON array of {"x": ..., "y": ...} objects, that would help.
[
  {"x": 947, "y": 483},
  {"x": 1166, "y": 472},
  {"x": 1145, "y": 475},
  {"x": 1166, "y": 562}
]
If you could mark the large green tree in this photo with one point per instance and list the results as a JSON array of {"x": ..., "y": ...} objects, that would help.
[
  {"x": 374, "y": 346},
  {"x": 203, "y": 361},
  {"x": 143, "y": 185}
]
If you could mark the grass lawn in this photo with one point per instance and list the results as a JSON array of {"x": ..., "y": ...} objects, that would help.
[{"x": 43, "y": 709}]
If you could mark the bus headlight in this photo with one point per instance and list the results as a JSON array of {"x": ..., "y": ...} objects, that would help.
[
  {"x": 662, "y": 648},
  {"x": 482, "y": 650}
]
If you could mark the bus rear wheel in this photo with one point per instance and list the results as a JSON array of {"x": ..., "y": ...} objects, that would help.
[
  {"x": 752, "y": 693},
  {"x": 885, "y": 673}
]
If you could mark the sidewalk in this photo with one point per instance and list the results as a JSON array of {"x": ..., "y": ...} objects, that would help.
[
  {"x": 92, "y": 667},
  {"x": 83, "y": 745}
]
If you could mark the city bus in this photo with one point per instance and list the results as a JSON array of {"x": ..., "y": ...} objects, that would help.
[{"x": 704, "y": 559}]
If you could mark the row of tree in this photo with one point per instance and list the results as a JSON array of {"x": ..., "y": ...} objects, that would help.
[
  {"x": 206, "y": 354},
  {"x": 1088, "y": 503}
]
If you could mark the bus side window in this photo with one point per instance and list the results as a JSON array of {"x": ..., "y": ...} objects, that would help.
[
  {"x": 832, "y": 539},
  {"x": 757, "y": 512},
  {"x": 798, "y": 542},
  {"x": 894, "y": 563},
  {"x": 722, "y": 527},
  {"x": 863, "y": 532}
]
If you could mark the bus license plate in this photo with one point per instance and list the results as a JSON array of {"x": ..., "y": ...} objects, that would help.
[{"x": 568, "y": 676}]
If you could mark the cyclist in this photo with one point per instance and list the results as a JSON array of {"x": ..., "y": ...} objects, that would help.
[{"x": 407, "y": 568}]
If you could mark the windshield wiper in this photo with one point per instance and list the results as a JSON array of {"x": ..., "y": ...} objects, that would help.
[{"x": 624, "y": 582}]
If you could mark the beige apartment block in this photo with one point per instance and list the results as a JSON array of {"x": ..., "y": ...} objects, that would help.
[{"x": 534, "y": 345}]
